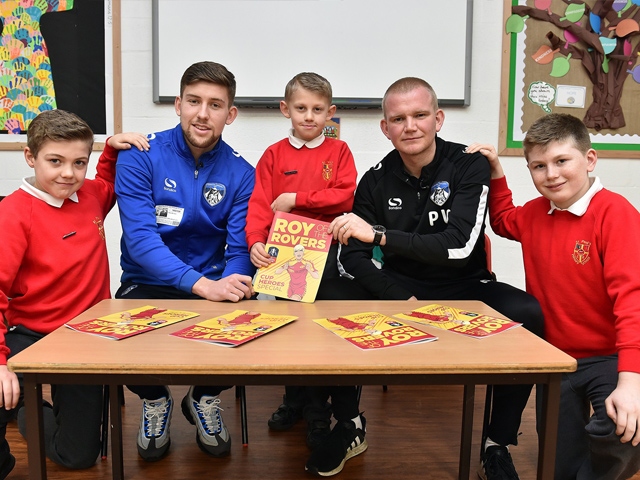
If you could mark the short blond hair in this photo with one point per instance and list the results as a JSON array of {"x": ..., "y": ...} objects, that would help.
[
  {"x": 408, "y": 84},
  {"x": 309, "y": 81}
]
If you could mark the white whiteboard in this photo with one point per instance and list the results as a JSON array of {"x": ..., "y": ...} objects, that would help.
[{"x": 360, "y": 46}]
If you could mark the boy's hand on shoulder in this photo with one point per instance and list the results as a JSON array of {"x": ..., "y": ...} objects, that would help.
[
  {"x": 233, "y": 288},
  {"x": 490, "y": 153},
  {"x": 9, "y": 388},
  {"x": 259, "y": 256},
  {"x": 623, "y": 407},
  {"x": 124, "y": 141},
  {"x": 284, "y": 203}
]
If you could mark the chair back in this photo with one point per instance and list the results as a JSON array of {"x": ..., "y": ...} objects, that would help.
[{"x": 487, "y": 249}]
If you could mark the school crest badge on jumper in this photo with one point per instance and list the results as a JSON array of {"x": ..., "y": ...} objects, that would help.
[
  {"x": 327, "y": 170},
  {"x": 581, "y": 252},
  {"x": 214, "y": 193},
  {"x": 98, "y": 222},
  {"x": 440, "y": 193}
]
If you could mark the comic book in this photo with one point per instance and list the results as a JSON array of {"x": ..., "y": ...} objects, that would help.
[
  {"x": 299, "y": 247},
  {"x": 459, "y": 321},
  {"x": 235, "y": 328},
  {"x": 131, "y": 322},
  {"x": 372, "y": 330}
]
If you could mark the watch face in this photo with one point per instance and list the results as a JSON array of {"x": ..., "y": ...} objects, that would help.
[{"x": 379, "y": 229}]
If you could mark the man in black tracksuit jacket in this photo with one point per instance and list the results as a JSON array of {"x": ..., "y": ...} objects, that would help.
[{"x": 425, "y": 205}]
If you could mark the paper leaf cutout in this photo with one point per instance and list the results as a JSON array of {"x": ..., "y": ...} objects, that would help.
[
  {"x": 596, "y": 22},
  {"x": 621, "y": 5},
  {"x": 635, "y": 73},
  {"x": 574, "y": 12},
  {"x": 515, "y": 23},
  {"x": 544, "y": 5},
  {"x": 560, "y": 66},
  {"x": 627, "y": 49},
  {"x": 544, "y": 55},
  {"x": 608, "y": 44},
  {"x": 570, "y": 38},
  {"x": 625, "y": 27}
]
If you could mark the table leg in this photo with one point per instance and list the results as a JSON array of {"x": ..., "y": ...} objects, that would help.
[
  {"x": 243, "y": 415},
  {"x": 467, "y": 431},
  {"x": 35, "y": 429},
  {"x": 115, "y": 423},
  {"x": 548, "y": 435}
]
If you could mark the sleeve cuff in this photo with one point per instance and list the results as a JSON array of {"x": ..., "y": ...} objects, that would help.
[
  {"x": 188, "y": 280},
  {"x": 629, "y": 360}
]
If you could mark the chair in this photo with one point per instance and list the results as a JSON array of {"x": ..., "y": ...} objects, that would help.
[
  {"x": 105, "y": 418},
  {"x": 489, "y": 393}
]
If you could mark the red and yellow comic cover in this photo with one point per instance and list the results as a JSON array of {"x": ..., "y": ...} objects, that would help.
[
  {"x": 117, "y": 326},
  {"x": 459, "y": 321},
  {"x": 372, "y": 330},
  {"x": 235, "y": 328},
  {"x": 299, "y": 247}
]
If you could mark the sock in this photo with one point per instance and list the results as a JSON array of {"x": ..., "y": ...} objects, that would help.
[
  {"x": 357, "y": 421},
  {"x": 490, "y": 443}
]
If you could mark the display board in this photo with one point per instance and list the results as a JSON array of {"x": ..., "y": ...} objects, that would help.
[
  {"x": 360, "y": 46},
  {"x": 576, "y": 58}
]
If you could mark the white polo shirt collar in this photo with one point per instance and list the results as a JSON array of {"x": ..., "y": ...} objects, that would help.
[
  {"x": 28, "y": 186},
  {"x": 299, "y": 143},
  {"x": 579, "y": 207}
]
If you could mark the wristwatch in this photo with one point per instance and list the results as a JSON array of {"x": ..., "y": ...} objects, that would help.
[{"x": 378, "y": 231}]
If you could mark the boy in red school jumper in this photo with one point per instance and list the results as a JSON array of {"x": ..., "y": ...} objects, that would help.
[
  {"x": 581, "y": 263},
  {"x": 314, "y": 176},
  {"x": 55, "y": 267}
]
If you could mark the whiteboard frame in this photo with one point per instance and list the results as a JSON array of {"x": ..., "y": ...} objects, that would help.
[{"x": 340, "y": 102}]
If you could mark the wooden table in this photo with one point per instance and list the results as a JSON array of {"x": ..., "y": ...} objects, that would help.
[{"x": 301, "y": 353}]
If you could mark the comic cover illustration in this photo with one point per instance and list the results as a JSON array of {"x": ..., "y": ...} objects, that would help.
[
  {"x": 459, "y": 321},
  {"x": 299, "y": 247},
  {"x": 235, "y": 328},
  {"x": 372, "y": 330},
  {"x": 131, "y": 322}
]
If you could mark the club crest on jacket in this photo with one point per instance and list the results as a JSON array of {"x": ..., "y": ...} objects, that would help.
[
  {"x": 214, "y": 193},
  {"x": 440, "y": 193}
]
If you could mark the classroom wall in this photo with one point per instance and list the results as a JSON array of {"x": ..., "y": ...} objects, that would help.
[{"x": 254, "y": 130}]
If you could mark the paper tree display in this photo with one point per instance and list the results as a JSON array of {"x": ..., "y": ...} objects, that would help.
[{"x": 603, "y": 35}]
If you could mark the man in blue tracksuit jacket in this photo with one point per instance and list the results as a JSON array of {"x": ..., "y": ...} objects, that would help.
[{"x": 183, "y": 206}]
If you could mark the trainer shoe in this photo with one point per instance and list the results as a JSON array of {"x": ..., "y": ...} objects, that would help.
[
  {"x": 496, "y": 464},
  {"x": 317, "y": 432},
  {"x": 285, "y": 416},
  {"x": 153, "y": 434},
  {"x": 212, "y": 436},
  {"x": 344, "y": 442}
]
